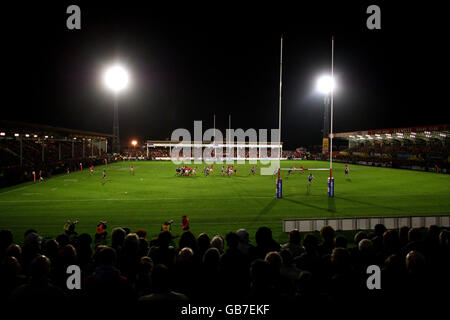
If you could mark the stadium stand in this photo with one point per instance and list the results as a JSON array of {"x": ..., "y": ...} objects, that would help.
[
  {"x": 418, "y": 148},
  {"x": 318, "y": 270},
  {"x": 162, "y": 153},
  {"x": 25, "y": 148}
]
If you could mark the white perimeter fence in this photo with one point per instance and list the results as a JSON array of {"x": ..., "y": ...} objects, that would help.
[{"x": 365, "y": 223}]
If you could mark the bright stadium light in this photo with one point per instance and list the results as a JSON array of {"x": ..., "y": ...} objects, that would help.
[
  {"x": 116, "y": 78},
  {"x": 134, "y": 143},
  {"x": 325, "y": 84}
]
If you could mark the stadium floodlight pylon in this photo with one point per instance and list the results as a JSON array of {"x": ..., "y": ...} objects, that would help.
[{"x": 116, "y": 79}]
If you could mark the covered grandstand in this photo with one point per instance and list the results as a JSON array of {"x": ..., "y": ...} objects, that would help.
[
  {"x": 420, "y": 148},
  {"x": 28, "y": 147}
]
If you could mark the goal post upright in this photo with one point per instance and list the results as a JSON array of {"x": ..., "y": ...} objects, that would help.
[
  {"x": 331, "y": 106},
  {"x": 331, "y": 179}
]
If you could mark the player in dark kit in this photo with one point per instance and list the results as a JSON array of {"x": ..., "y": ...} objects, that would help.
[
  {"x": 310, "y": 179},
  {"x": 289, "y": 172},
  {"x": 346, "y": 169}
]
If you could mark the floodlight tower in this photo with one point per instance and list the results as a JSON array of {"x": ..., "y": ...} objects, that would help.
[
  {"x": 116, "y": 79},
  {"x": 134, "y": 143},
  {"x": 325, "y": 85}
]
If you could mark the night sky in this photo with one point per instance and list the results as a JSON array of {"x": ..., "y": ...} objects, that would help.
[{"x": 190, "y": 61}]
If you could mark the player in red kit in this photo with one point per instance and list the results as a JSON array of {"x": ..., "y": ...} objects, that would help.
[
  {"x": 132, "y": 169},
  {"x": 184, "y": 223}
]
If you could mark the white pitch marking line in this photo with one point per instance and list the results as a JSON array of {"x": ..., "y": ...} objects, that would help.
[
  {"x": 16, "y": 189},
  {"x": 150, "y": 199}
]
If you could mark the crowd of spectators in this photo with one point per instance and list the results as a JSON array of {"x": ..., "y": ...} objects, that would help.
[
  {"x": 423, "y": 155},
  {"x": 134, "y": 270},
  {"x": 166, "y": 153}
]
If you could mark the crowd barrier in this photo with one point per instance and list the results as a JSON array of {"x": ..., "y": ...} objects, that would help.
[{"x": 365, "y": 223}]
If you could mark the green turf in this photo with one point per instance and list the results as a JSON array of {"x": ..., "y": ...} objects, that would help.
[{"x": 215, "y": 204}]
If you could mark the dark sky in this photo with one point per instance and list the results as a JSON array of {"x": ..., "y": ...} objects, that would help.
[{"x": 190, "y": 61}]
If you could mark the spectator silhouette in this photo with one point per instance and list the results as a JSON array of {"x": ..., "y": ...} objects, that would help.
[
  {"x": 161, "y": 287},
  {"x": 106, "y": 285},
  {"x": 39, "y": 290},
  {"x": 219, "y": 243},
  {"x": 244, "y": 242},
  {"x": 234, "y": 268},
  {"x": 264, "y": 243},
  {"x": 327, "y": 245},
  {"x": 294, "y": 244},
  {"x": 163, "y": 252},
  {"x": 204, "y": 243}
]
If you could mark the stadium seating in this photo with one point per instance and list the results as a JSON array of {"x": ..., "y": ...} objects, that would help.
[
  {"x": 412, "y": 156},
  {"x": 128, "y": 270}
]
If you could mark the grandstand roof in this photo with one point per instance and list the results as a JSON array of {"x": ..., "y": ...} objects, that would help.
[
  {"x": 13, "y": 127},
  {"x": 441, "y": 132}
]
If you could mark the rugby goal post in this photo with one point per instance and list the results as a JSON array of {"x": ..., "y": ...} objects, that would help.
[{"x": 302, "y": 169}]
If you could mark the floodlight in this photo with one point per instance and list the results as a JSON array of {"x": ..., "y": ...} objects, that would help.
[
  {"x": 134, "y": 142},
  {"x": 325, "y": 84},
  {"x": 116, "y": 78}
]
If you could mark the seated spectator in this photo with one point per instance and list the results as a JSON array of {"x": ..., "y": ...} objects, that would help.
[
  {"x": 264, "y": 243},
  {"x": 288, "y": 269},
  {"x": 187, "y": 239},
  {"x": 210, "y": 280},
  {"x": 106, "y": 285},
  {"x": 263, "y": 282},
  {"x": 340, "y": 242},
  {"x": 234, "y": 268},
  {"x": 14, "y": 250},
  {"x": 377, "y": 241},
  {"x": 129, "y": 256},
  {"x": 117, "y": 238},
  {"x": 143, "y": 276},
  {"x": 39, "y": 290},
  {"x": 10, "y": 276},
  {"x": 163, "y": 252},
  {"x": 294, "y": 244},
  {"x": 415, "y": 242},
  {"x": 204, "y": 243},
  {"x": 84, "y": 251},
  {"x": 161, "y": 288},
  {"x": 185, "y": 272},
  {"x": 218, "y": 243},
  {"x": 327, "y": 245},
  {"x": 343, "y": 283},
  {"x": 31, "y": 248},
  {"x": 244, "y": 242},
  {"x": 310, "y": 259},
  {"x": 391, "y": 243}
]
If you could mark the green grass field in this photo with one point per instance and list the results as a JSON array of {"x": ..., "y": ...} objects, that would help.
[{"x": 215, "y": 204}]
